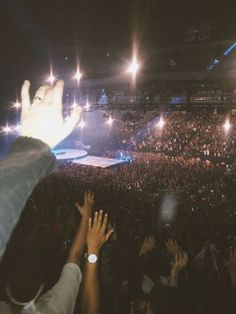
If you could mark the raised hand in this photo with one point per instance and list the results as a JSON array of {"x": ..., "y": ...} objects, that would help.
[
  {"x": 230, "y": 263},
  {"x": 86, "y": 208},
  {"x": 148, "y": 245},
  {"x": 180, "y": 262},
  {"x": 43, "y": 118},
  {"x": 97, "y": 232},
  {"x": 172, "y": 247}
]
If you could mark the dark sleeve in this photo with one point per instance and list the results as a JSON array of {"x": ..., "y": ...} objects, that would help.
[{"x": 28, "y": 161}]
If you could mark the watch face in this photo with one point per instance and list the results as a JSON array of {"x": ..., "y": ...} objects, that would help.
[{"x": 92, "y": 258}]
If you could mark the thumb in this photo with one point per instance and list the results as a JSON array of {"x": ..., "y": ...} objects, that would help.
[
  {"x": 109, "y": 233},
  {"x": 72, "y": 121},
  {"x": 78, "y": 206},
  {"x": 25, "y": 97}
]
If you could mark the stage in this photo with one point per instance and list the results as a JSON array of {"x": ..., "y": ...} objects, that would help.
[
  {"x": 81, "y": 157},
  {"x": 69, "y": 154},
  {"x": 98, "y": 161}
]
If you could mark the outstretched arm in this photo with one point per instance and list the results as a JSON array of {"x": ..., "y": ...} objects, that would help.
[
  {"x": 30, "y": 158},
  {"x": 78, "y": 245},
  {"x": 97, "y": 236}
]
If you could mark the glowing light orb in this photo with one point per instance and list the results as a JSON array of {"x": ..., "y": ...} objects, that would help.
[
  {"x": 78, "y": 76},
  {"x": 75, "y": 105},
  {"x": 6, "y": 129},
  {"x": 227, "y": 126},
  {"x": 110, "y": 121},
  {"x": 161, "y": 123},
  {"x": 134, "y": 67},
  {"x": 51, "y": 79},
  {"x": 17, "y": 105},
  {"x": 87, "y": 106},
  {"x": 81, "y": 125}
]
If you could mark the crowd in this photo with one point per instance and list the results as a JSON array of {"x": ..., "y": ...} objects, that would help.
[
  {"x": 134, "y": 196},
  {"x": 162, "y": 234},
  {"x": 185, "y": 134}
]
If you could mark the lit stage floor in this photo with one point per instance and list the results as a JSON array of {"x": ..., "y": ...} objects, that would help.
[
  {"x": 67, "y": 154},
  {"x": 98, "y": 161},
  {"x": 81, "y": 157}
]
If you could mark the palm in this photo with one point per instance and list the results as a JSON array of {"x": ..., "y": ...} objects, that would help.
[{"x": 43, "y": 118}]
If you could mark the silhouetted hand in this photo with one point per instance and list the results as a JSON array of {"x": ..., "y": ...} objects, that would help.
[
  {"x": 86, "y": 208},
  {"x": 180, "y": 262},
  {"x": 148, "y": 245},
  {"x": 172, "y": 247}
]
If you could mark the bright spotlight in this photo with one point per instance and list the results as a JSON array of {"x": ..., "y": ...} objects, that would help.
[
  {"x": 110, "y": 121},
  {"x": 160, "y": 123},
  {"x": 87, "y": 106},
  {"x": 81, "y": 125},
  {"x": 227, "y": 126},
  {"x": 75, "y": 105},
  {"x": 78, "y": 76},
  {"x": 134, "y": 67},
  {"x": 6, "y": 129},
  {"x": 51, "y": 79},
  {"x": 16, "y": 105}
]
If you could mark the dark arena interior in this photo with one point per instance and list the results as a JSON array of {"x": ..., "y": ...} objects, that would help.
[{"x": 125, "y": 174}]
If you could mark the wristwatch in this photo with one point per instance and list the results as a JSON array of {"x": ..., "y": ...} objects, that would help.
[{"x": 92, "y": 258}]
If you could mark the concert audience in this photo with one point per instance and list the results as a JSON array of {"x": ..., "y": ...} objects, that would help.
[
  {"x": 172, "y": 218},
  {"x": 183, "y": 134}
]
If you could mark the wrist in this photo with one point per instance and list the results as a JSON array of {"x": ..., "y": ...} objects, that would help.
[
  {"x": 93, "y": 250},
  {"x": 85, "y": 217},
  {"x": 174, "y": 273},
  {"x": 174, "y": 278}
]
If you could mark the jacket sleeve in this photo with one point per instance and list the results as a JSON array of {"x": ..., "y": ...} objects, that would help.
[
  {"x": 61, "y": 298},
  {"x": 28, "y": 161}
]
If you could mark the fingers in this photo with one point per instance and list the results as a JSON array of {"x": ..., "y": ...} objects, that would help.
[
  {"x": 171, "y": 243},
  {"x": 77, "y": 206},
  {"x": 25, "y": 97},
  {"x": 58, "y": 94},
  {"x": 73, "y": 119},
  {"x": 95, "y": 219},
  {"x": 109, "y": 233},
  {"x": 104, "y": 223},
  {"x": 88, "y": 197},
  {"x": 40, "y": 94},
  {"x": 149, "y": 240},
  {"x": 100, "y": 219},
  {"x": 181, "y": 259},
  {"x": 48, "y": 96}
]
